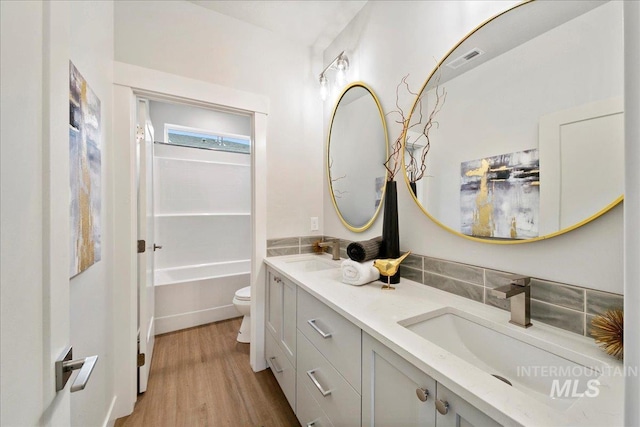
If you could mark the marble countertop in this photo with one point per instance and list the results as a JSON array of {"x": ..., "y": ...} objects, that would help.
[{"x": 378, "y": 312}]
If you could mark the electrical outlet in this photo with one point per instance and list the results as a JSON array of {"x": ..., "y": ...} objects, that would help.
[{"x": 314, "y": 223}]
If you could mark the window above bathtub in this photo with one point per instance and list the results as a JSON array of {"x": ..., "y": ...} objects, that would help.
[{"x": 204, "y": 139}]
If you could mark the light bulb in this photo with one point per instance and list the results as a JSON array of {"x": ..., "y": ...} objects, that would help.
[
  {"x": 342, "y": 67},
  {"x": 324, "y": 89}
]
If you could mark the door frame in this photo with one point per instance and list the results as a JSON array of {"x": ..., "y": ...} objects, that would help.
[{"x": 130, "y": 82}]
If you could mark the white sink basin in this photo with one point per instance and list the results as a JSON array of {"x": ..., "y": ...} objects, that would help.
[
  {"x": 542, "y": 374},
  {"x": 312, "y": 263}
]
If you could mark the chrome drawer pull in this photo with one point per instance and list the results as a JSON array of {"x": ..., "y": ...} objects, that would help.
[
  {"x": 274, "y": 366},
  {"x": 323, "y": 334},
  {"x": 311, "y": 424},
  {"x": 324, "y": 392}
]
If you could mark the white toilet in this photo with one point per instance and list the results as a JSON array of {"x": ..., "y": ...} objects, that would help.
[{"x": 242, "y": 302}]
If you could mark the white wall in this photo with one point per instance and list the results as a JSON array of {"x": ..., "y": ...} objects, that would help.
[
  {"x": 44, "y": 310},
  {"x": 91, "y": 51},
  {"x": 21, "y": 334},
  {"x": 185, "y": 39},
  {"x": 388, "y": 40}
]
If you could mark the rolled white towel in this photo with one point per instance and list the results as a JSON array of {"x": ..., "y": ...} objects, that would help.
[{"x": 358, "y": 273}]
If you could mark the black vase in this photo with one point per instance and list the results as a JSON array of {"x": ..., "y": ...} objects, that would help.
[
  {"x": 413, "y": 186},
  {"x": 390, "y": 247}
]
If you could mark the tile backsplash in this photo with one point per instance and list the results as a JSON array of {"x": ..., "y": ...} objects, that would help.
[{"x": 564, "y": 306}]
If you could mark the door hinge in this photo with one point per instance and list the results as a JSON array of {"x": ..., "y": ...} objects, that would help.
[
  {"x": 142, "y": 246},
  {"x": 141, "y": 359}
]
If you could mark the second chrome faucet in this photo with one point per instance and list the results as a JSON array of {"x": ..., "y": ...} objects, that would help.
[{"x": 519, "y": 292}]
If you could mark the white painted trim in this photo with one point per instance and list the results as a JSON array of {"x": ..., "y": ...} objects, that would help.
[
  {"x": 108, "y": 421},
  {"x": 161, "y": 83},
  {"x": 125, "y": 259},
  {"x": 190, "y": 319},
  {"x": 130, "y": 81},
  {"x": 151, "y": 331},
  {"x": 259, "y": 246},
  {"x": 632, "y": 211}
]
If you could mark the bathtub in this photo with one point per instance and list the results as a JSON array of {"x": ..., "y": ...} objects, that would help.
[
  {"x": 198, "y": 294},
  {"x": 191, "y": 273}
]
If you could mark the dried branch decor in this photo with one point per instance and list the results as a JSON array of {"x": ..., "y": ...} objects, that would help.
[
  {"x": 415, "y": 170},
  {"x": 608, "y": 330},
  {"x": 392, "y": 164}
]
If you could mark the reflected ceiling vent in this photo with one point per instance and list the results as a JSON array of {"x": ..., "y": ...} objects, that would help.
[{"x": 464, "y": 59}]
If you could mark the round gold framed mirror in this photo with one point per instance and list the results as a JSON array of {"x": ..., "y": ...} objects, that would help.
[
  {"x": 356, "y": 150},
  {"x": 518, "y": 133}
]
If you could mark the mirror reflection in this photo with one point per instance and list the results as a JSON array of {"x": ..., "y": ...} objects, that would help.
[
  {"x": 357, "y": 149},
  {"x": 529, "y": 143}
]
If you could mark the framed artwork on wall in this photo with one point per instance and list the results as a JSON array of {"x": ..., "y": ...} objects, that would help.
[{"x": 84, "y": 173}]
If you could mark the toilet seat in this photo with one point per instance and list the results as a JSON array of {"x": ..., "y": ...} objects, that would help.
[{"x": 243, "y": 294}]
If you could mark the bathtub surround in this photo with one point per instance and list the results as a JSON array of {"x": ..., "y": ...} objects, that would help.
[{"x": 203, "y": 221}]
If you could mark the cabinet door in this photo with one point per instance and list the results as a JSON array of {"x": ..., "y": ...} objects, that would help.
[
  {"x": 390, "y": 387},
  {"x": 284, "y": 371},
  {"x": 288, "y": 337},
  {"x": 458, "y": 412},
  {"x": 274, "y": 303}
]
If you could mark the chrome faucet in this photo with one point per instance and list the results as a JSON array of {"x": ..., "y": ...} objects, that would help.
[
  {"x": 335, "y": 248},
  {"x": 519, "y": 292}
]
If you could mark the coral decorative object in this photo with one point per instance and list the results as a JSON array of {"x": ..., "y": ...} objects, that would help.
[{"x": 608, "y": 330}]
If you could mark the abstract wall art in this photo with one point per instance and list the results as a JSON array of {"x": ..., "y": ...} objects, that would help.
[
  {"x": 85, "y": 173},
  {"x": 500, "y": 196}
]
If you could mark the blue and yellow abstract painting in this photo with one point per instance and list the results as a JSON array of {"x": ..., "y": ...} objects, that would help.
[{"x": 85, "y": 173}]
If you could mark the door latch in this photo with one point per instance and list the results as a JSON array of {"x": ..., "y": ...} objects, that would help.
[{"x": 142, "y": 246}]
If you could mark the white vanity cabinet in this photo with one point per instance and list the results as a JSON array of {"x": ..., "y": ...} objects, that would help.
[
  {"x": 329, "y": 363},
  {"x": 280, "y": 339},
  {"x": 281, "y": 313},
  {"x": 453, "y": 411},
  {"x": 334, "y": 374},
  {"x": 396, "y": 393}
]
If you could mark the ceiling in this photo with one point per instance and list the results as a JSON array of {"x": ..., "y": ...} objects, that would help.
[{"x": 309, "y": 22}]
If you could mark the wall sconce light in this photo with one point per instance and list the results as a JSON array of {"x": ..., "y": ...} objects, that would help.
[{"x": 341, "y": 65}]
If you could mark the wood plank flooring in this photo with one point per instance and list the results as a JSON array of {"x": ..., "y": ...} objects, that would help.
[{"x": 201, "y": 377}]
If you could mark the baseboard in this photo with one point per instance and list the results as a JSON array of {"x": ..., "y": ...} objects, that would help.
[
  {"x": 194, "y": 318},
  {"x": 108, "y": 422}
]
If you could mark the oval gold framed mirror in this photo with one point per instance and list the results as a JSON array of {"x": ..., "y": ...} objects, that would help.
[
  {"x": 356, "y": 150},
  {"x": 518, "y": 133}
]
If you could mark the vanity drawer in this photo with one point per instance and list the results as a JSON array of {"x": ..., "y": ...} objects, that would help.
[
  {"x": 308, "y": 411},
  {"x": 335, "y": 396},
  {"x": 335, "y": 337},
  {"x": 282, "y": 369}
]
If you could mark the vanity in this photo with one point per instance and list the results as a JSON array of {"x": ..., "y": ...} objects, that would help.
[{"x": 359, "y": 356}]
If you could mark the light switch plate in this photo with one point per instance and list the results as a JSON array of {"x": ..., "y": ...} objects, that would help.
[{"x": 314, "y": 223}]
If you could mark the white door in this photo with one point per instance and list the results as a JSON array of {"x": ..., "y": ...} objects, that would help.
[
  {"x": 581, "y": 150},
  {"x": 146, "y": 332}
]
